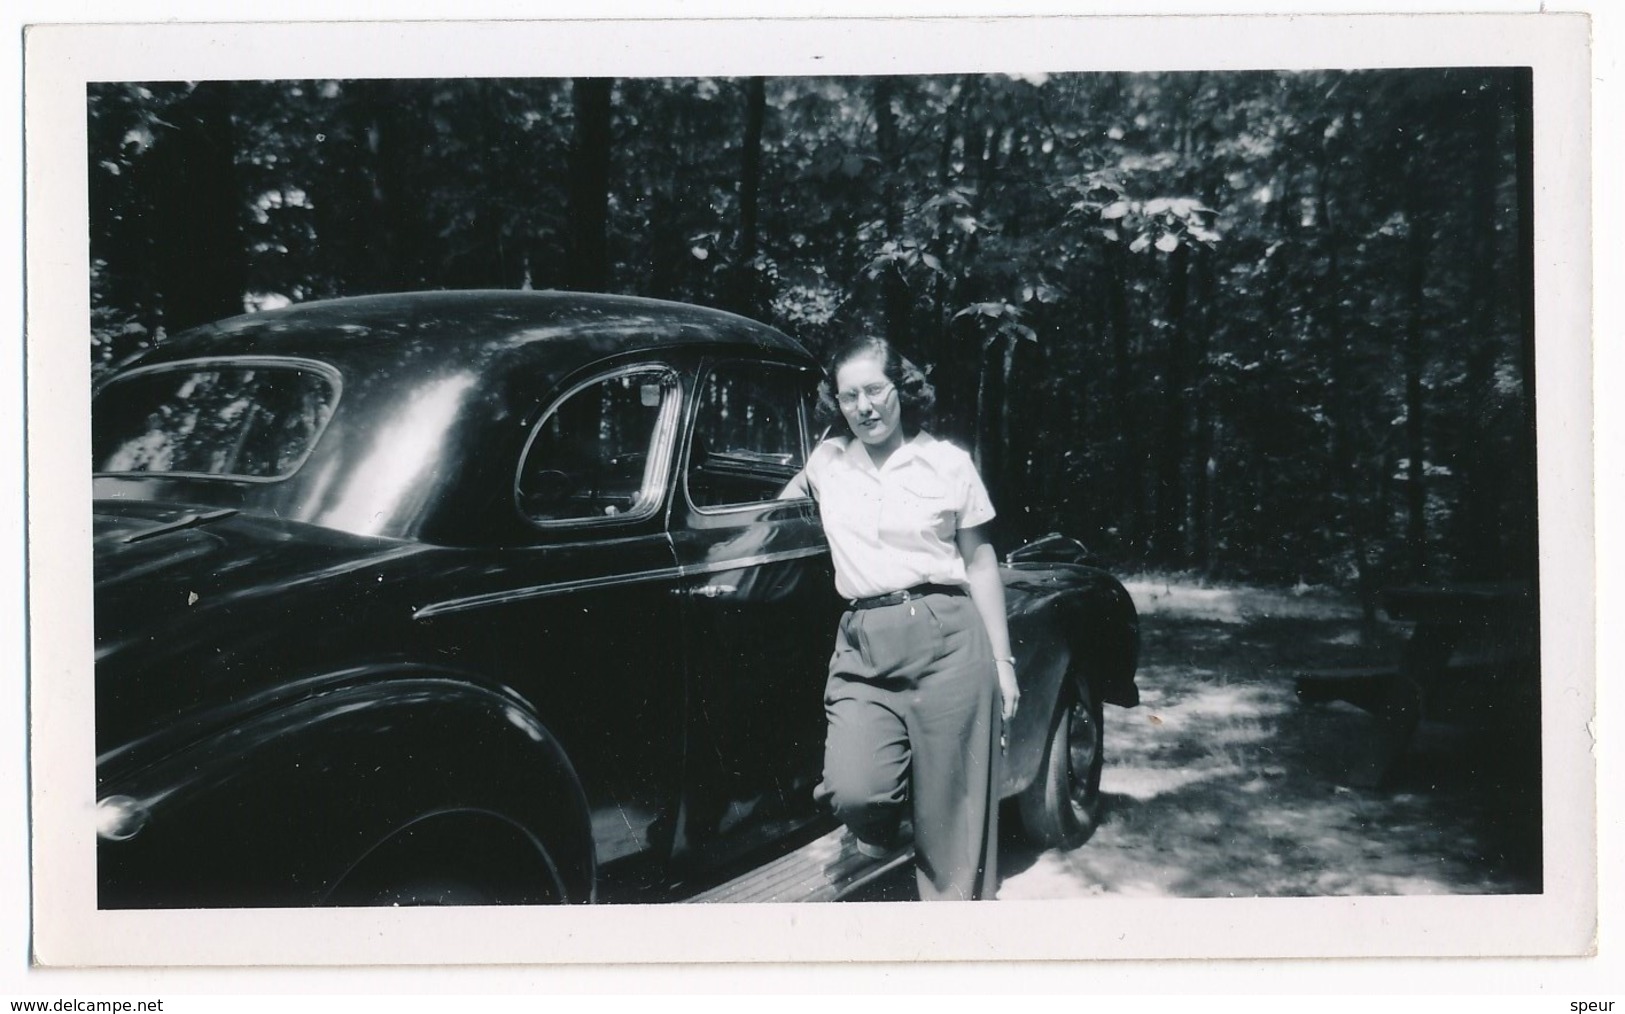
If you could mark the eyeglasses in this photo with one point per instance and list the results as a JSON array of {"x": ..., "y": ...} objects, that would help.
[{"x": 873, "y": 392}]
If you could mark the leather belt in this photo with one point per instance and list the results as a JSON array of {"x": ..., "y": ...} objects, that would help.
[{"x": 897, "y": 597}]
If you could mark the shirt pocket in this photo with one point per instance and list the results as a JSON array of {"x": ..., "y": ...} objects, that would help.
[{"x": 926, "y": 503}]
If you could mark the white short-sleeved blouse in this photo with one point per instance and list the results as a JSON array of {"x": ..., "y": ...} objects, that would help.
[{"x": 893, "y": 527}]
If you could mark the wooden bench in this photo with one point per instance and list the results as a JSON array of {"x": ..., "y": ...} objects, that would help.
[{"x": 1478, "y": 635}]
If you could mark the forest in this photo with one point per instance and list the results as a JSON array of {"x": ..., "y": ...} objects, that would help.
[{"x": 1265, "y": 326}]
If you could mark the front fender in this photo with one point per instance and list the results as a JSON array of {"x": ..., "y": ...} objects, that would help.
[
  {"x": 1066, "y": 622},
  {"x": 274, "y": 809}
]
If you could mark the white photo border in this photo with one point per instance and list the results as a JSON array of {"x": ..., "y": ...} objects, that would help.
[{"x": 68, "y": 928}]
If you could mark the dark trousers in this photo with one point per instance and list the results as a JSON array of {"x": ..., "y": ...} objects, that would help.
[{"x": 913, "y": 717}]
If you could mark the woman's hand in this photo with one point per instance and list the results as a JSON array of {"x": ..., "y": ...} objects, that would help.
[
  {"x": 987, "y": 592},
  {"x": 1009, "y": 691}
]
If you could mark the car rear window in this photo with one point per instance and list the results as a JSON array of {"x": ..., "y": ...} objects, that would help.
[{"x": 240, "y": 420}]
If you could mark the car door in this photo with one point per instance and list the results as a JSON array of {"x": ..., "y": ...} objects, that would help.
[
  {"x": 579, "y": 620},
  {"x": 760, "y": 610}
]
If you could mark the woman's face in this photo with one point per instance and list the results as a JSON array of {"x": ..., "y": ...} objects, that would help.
[{"x": 869, "y": 401}]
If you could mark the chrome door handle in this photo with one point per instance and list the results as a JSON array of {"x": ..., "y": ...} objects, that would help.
[{"x": 707, "y": 591}]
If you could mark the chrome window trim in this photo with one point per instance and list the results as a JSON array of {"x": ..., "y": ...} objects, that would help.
[
  {"x": 529, "y": 592},
  {"x": 656, "y": 467},
  {"x": 327, "y": 370}
]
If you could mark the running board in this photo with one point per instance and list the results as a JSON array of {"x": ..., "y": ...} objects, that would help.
[{"x": 827, "y": 869}]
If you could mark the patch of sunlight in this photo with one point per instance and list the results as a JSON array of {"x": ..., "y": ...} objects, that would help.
[
  {"x": 1380, "y": 884},
  {"x": 1218, "y": 604},
  {"x": 1233, "y": 714},
  {"x": 1176, "y": 597},
  {"x": 1143, "y": 783},
  {"x": 1235, "y": 701},
  {"x": 1346, "y": 637},
  {"x": 1236, "y": 735},
  {"x": 1281, "y": 823},
  {"x": 1204, "y": 820},
  {"x": 1143, "y": 889},
  {"x": 1050, "y": 876}
]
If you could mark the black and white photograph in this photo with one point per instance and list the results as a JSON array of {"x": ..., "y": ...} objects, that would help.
[{"x": 575, "y": 496}]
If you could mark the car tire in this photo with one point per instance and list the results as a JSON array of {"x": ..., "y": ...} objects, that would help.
[
  {"x": 445, "y": 860},
  {"x": 1061, "y": 807}
]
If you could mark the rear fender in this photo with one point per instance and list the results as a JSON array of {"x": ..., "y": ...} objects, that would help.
[{"x": 277, "y": 808}]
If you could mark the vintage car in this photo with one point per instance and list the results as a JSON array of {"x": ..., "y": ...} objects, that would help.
[{"x": 488, "y": 597}]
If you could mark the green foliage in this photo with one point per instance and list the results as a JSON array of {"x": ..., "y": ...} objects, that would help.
[{"x": 1185, "y": 317}]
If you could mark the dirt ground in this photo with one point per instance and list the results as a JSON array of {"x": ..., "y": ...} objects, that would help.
[{"x": 1223, "y": 784}]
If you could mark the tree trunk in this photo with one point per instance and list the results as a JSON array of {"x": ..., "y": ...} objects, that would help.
[
  {"x": 197, "y": 247},
  {"x": 1204, "y": 469},
  {"x": 747, "y": 294},
  {"x": 894, "y": 287},
  {"x": 1478, "y": 505},
  {"x": 1170, "y": 507},
  {"x": 1341, "y": 403},
  {"x": 1415, "y": 358},
  {"x": 589, "y": 186},
  {"x": 1010, "y": 455},
  {"x": 1131, "y": 458},
  {"x": 978, "y": 450},
  {"x": 1524, "y": 551}
]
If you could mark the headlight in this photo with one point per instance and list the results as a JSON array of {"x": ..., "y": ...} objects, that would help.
[{"x": 119, "y": 818}]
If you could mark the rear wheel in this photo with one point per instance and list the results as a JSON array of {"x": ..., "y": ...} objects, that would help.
[
  {"x": 472, "y": 859},
  {"x": 1062, "y": 806}
]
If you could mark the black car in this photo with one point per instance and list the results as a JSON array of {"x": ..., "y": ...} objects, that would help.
[{"x": 487, "y": 597}]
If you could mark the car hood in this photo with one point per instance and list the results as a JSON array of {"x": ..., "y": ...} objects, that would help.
[{"x": 187, "y": 598}]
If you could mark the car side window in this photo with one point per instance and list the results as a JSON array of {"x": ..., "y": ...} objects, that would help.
[
  {"x": 749, "y": 436},
  {"x": 234, "y": 418},
  {"x": 597, "y": 452}
]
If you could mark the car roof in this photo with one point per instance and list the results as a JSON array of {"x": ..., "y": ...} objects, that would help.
[
  {"x": 425, "y": 378},
  {"x": 568, "y": 329}
]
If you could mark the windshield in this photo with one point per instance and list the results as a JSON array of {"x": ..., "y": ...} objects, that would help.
[{"x": 242, "y": 419}]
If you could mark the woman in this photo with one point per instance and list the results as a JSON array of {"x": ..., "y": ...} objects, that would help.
[{"x": 924, "y": 650}]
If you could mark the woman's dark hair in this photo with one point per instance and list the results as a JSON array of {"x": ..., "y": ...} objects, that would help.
[{"x": 915, "y": 394}]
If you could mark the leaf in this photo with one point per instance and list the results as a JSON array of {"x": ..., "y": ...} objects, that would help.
[
  {"x": 1167, "y": 242},
  {"x": 932, "y": 263},
  {"x": 1158, "y": 206},
  {"x": 1141, "y": 241},
  {"x": 880, "y": 263},
  {"x": 984, "y": 310},
  {"x": 700, "y": 253},
  {"x": 1203, "y": 235},
  {"x": 953, "y": 197},
  {"x": 1026, "y": 333},
  {"x": 1116, "y": 209},
  {"x": 1186, "y": 207}
]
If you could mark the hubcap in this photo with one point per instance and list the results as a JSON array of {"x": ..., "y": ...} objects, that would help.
[{"x": 1080, "y": 748}]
